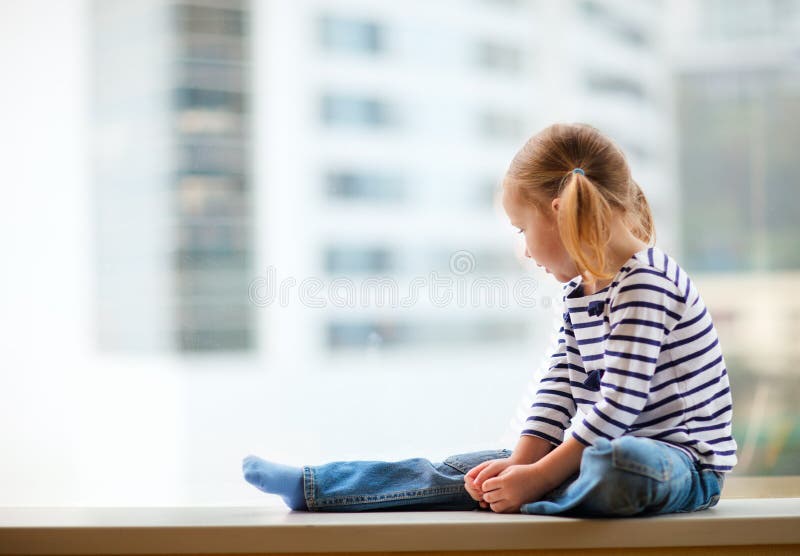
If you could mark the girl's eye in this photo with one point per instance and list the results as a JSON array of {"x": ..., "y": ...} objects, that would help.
[{"x": 520, "y": 230}]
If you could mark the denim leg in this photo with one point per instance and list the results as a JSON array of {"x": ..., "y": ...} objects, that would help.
[
  {"x": 411, "y": 484},
  {"x": 631, "y": 476}
]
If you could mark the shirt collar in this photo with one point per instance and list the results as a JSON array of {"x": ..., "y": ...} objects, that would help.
[{"x": 575, "y": 283}]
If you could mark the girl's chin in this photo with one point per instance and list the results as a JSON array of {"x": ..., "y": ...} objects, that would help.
[{"x": 557, "y": 275}]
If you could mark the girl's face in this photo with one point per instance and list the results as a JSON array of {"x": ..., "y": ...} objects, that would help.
[{"x": 542, "y": 240}]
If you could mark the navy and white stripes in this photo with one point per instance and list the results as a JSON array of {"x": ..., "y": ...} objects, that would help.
[{"x": 642, "y": 358}]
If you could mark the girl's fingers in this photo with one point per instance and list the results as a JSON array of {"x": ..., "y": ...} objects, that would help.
[
  {"x": 474, "y": 493},
  {"x": 477, "y": 469},
  {"x": 491, "y": 484},
  {"x": 489, "y": 471},
  {"x": 495, "y": 500}
]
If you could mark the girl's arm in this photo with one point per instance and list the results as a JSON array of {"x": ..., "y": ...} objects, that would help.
[
  {"x": 530, "y": 449},
  {"x": 547, "y": 419},
  {"x": 560, "y": 464}
]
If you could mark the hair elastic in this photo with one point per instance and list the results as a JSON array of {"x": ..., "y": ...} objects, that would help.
[{"x": 578, "y": 171}]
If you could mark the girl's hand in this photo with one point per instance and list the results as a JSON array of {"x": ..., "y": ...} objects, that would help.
[
  {"x": 514, "y": 486},
  {"x": 473, "y": 480}
]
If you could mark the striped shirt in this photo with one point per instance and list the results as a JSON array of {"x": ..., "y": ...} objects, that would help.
[{"x": 640, "y": 357}]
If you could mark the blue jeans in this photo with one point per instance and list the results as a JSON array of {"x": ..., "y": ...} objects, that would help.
[{"x": 624, "y": 477}]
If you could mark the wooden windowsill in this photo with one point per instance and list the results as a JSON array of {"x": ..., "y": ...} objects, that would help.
[
  {"x": 761, "y": 487},
  {"x": 735, "y": 521}
]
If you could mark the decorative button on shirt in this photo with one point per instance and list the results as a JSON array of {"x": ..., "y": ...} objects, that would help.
[
  {"x": 595, "y": 308},
  {"x": 592, "y": 381}
]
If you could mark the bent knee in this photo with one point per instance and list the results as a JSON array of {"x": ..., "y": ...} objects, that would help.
[
  {"x": 634, "y": 475},
  {"x": 630, "y": 454}
]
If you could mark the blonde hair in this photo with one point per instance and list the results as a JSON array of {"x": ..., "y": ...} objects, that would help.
[{"x": 543, "y": 170}]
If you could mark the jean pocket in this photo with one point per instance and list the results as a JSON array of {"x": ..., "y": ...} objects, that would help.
[
  {"x": 465, "y": 462},
  {"x": 642, "y": 456}
]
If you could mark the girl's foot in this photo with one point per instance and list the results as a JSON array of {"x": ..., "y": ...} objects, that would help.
[{"x": 283, "y": 480}]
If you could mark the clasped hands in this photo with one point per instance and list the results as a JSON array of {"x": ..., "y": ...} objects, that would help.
[{"x": 503, "y": 485}]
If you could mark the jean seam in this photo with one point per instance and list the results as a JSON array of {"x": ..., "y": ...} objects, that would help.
[
  {"x": 308, "y": 484},
  {"x": 457, "y": 465},
  {"x": 390, "y": 497},
  {"x": 461, "y": 466}
]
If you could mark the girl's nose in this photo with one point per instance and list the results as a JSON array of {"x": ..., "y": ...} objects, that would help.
[{"x": 527, "y": 254}]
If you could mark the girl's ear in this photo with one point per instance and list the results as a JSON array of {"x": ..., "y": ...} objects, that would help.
[{"x": 555, "y": 204}]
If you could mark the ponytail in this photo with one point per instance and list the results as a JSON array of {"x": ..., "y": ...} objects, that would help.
[
  {"x": 642, "y": 225},
  {"x": 584, "y": 223}
]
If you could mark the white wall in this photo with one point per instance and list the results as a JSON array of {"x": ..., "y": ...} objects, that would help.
[{"x": 74, "y": 427}]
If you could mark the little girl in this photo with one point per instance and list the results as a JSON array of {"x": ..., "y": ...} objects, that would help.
[{"x": 638, "y": 364}]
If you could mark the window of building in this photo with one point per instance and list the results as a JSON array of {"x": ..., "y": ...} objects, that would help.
[
  {"x": 210, "y": 20},
  {"x": 617, "y": 85},
  {"x": 351, "y": 35},
  {"x": 211, "y": 74},
  {"x": 355, "y": 111},
  {"x": 211, "y": 158},
  {"x": 210, "y": 47},
  {"x": 601, "y": 17},
  {"x": 215, "y": 339},
  {"x": 204, "y": 121},
  {"x": 371, "y": 260},
  {"x": 364, "y": 185},
  {"x": 194, "y": 97},
  {"x": 498, "y": 57}
]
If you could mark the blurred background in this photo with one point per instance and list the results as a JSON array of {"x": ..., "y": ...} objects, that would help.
[{"x": 222, "y": 222}]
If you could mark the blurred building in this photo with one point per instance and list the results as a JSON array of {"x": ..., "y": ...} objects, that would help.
[
  {"x": 172, "y": 174},
  {"x": 380, "y": 135}
]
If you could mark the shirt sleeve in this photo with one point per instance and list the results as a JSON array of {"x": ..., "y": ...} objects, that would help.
[
  {"x": 644, "y": 311},
  {"x": 553, "y": 406}
]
